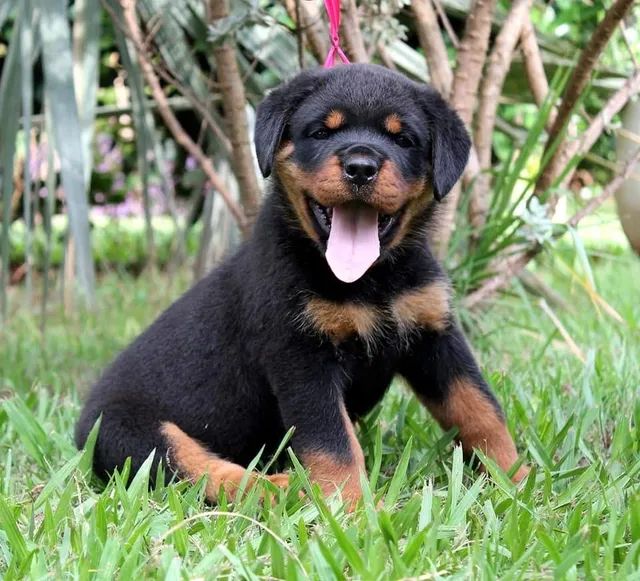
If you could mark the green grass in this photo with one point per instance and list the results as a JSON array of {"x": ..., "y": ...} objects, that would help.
[{"x": 577, "y": 421}]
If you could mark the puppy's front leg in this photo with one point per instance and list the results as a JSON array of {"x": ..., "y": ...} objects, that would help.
[
  {"x": 442, "y": 371},
  {"x": 311, "y": 400}
]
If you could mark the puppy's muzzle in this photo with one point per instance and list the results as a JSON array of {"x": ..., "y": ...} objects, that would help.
[{"x": 360, "y": 164}]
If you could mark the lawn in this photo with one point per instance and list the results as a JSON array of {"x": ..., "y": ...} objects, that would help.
[{"x": 570, "y": 397}]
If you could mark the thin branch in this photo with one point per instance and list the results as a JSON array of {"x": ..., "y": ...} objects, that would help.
[
  {"x": 491, "y": 89},
  {"x": 612, "y": 107},
  {"x": 170, "y": 78},
  {"x": 471, "y": 59},
  {"x": 534, "y": 68},
  {"x": 446, "y": 23},
  {"x": 233, "y": 103},
  {"x": 508, "y": 268},
  {"x": 129, "y": 12},
  {"x": 299, "y": 36},
  {"x": 350, "y": 32},
  {"x": 385, "y": 57},
  {"x": 577, "y": 84},
  {"x": 311, "y": 26},
  {"x": 432, "y": 43},
  {"x": 632, "y": 53},
  {"x": 608, "y": 192}
]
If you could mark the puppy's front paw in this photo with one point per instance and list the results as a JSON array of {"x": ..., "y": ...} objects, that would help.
[{"x": 521, "y": 474}]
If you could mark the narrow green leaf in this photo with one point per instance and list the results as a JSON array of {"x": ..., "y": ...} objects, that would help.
[
  {"x": 86, "y": 52},
  {"x": 67, "y": 133},
  {"x": 26, "y": 60},
  {"x": 5, "y": 10},
  {"x": 10, "y": 115},
  {"x": 10, "y": 527},
  {"x": 400, "y": 476}
]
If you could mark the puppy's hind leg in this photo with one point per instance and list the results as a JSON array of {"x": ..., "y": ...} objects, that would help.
[{"x": 193, "y": 460}]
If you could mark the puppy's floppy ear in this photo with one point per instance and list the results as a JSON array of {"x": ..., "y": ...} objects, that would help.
[
  {"x": 274, "y": 113},
  {"x": 450, "y": 142}
]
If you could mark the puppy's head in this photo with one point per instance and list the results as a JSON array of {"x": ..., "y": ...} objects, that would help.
[{"x": 360, "y": 152}]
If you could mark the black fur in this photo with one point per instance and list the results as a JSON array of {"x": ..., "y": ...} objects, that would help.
[{"x": 229, "y": 362}]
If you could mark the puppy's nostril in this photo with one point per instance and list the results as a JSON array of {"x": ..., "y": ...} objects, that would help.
[{"x": 360, "y": 169}]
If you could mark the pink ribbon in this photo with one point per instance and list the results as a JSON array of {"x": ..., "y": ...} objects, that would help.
[{"x": 333, "y": 11}]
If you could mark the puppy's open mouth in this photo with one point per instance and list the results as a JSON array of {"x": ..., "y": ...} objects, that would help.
[
  {"x": 323, "y": 216},
  {"x": 354, "y": 233}
]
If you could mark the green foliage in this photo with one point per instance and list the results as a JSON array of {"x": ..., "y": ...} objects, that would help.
[
  {"x": 120, "y": 243},
  {"x": 576, "y": 421}
]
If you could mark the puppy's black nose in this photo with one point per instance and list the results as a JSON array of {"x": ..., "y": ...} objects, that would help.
[{"x": 360, "y": 169}]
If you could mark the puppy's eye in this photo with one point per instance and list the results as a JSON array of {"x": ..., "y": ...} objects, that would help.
[
  {"x": 403, "y": 140},
  {"x": 320, "y": 134}
]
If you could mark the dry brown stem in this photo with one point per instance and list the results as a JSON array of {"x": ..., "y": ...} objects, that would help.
[
  {"x": 233, "y": 104},
  {"x": 169, "y": 77},
  {"x": 576, "y": 85},
  {"x": 612, "y": 107},
  {"x": 433, "y": 46},
  {"x": 534, "y": 66},
  {"x": 351, "y": 34},
  {"x": 491, "y": 89},
  {"x": 506, "y": 269},
  {"x": 471, "y": 59},
  {"x": 608, "y": 191},
  {"x": 179, "y": 134},
  {"x": 312, "y": 26},
  {"x": 446, "y": 23}
]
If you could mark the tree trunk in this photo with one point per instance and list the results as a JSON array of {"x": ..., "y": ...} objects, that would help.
[{"x": 233, "y": 103}]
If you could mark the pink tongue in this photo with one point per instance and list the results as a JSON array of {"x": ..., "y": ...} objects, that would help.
[{"x": 353, "y": 244}]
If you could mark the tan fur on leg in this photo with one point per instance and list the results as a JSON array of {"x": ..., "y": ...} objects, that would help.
[
  {"x": 333, "y": 473},
  {"x": 193, "y": 461},
  {"x": 479, "y": 424}
]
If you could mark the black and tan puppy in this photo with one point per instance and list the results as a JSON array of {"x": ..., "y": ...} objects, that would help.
[{"x": 309, "y": 321}]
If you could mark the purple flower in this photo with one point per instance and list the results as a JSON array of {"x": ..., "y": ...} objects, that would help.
[{"x": 190, "y": 164}]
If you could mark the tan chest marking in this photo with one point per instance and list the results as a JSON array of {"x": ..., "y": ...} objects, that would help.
[
  {"x": 339, "y": 321},
  {"x": 427, "y": 306}
]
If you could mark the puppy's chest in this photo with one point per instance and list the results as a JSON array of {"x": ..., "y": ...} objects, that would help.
[{"x": 379, "y": 325}]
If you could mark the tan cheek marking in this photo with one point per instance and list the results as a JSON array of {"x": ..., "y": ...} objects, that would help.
[
  {"x": 393, "y": 124},
  {"x": 479, "y": 424},
  {"x": 335, "y": 119},
  {"x": 392, "y": 192},
  {"x": 193, "y": 461},
  {"x": 292, "y": 179},
  {"x": 414, "y": 208},
  {"x": 423, "y": 307},
  {"x": 327, "y": 184},
  {"x": 333, "y": 473},
  {"x": 339, "y": 321}
]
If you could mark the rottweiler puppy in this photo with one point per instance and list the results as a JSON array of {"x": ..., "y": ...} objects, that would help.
[{"x": 307, "y": 323}]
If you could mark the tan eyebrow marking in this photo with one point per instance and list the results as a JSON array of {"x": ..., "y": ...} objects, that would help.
[
  {"x": 334, "y": 119},
  {"x": 393, "y": 124}
]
